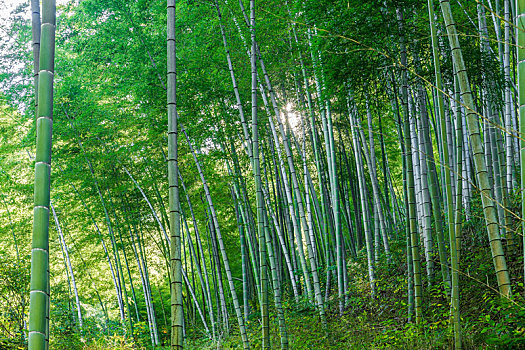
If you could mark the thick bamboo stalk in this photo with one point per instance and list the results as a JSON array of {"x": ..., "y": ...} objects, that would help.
[
  {"x": 263, "y": 298},
  {"x": 508, "y": 100},
  {"x": 428, "y": 242},
  {"x": 173, "y": 179},
  {"x": 520, "y": 21},
  {"x": 498, "y": 256},
  {"x": 39, "y": 289},
  {"x": 411, "y": 195}
]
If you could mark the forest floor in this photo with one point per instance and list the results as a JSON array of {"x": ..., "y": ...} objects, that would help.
[
  {"x": 381, "y": 322},
  {"x": 488, "y": 321}
]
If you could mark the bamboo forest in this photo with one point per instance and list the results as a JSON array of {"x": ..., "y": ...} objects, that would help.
[{"x": 262, "y": 174}]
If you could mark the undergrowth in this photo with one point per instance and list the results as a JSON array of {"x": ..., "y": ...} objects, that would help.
[{"x": 488, "y": 321}]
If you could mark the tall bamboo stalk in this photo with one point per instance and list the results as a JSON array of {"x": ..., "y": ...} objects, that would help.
[
  {"x": 455, "y": 240},
  {"x": 489, "y": 211},
  {"x": 173, "y": 179},
  {"x": 39, "y": 289},
  {"x": 410, "y": 181},
  {"x": 507, "y": 94},
  {"x": 520, "y": 22},
  {"x": 441, "y": 111},
  {"x": 263, "y": 298}
]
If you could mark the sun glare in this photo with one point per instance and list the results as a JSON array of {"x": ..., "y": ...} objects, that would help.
[{"x": 293, "y": 117}]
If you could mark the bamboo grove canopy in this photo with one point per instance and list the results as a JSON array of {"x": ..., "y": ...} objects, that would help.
[{"x": 262, "y": 174}]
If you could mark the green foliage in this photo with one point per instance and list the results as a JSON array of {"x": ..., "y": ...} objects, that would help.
[
  {"x": 504, "y": 324},
  {"x": 14, "y": 300},
  {"x": 488, "y": 321},
  {"x": 113, "y": 342},
  {"x": 63, "y": 324},
  {"x": 141, "y": 334},
  {"x": 109, "y": 98}
]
